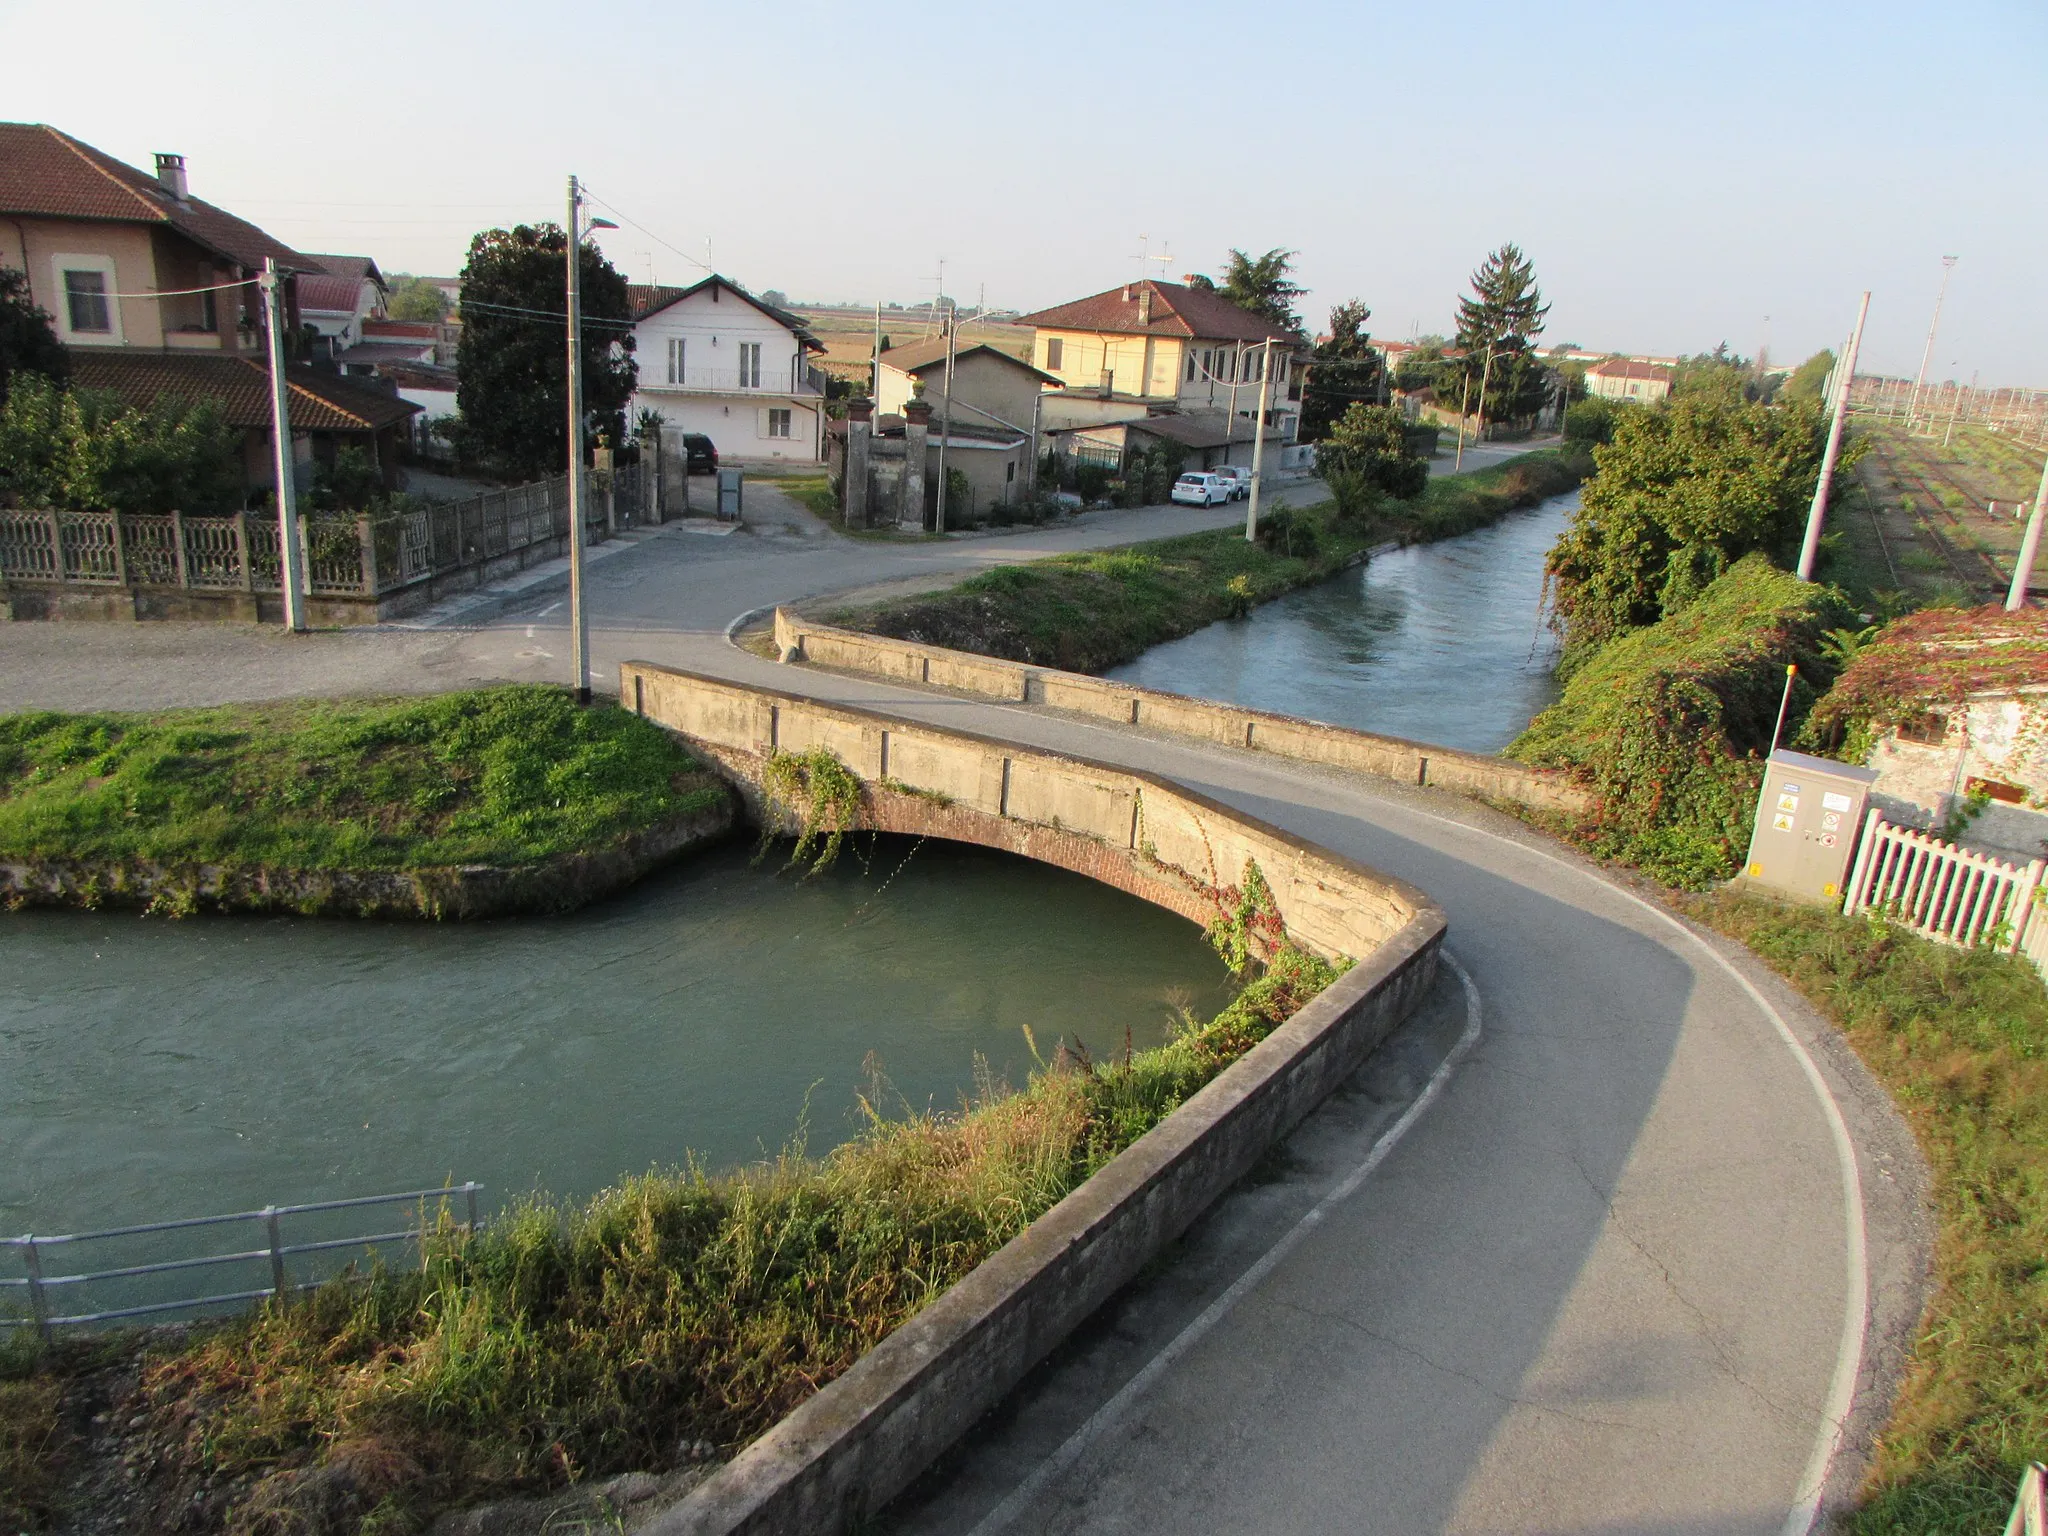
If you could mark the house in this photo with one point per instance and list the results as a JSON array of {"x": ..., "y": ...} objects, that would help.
[
  {"x": 718, "y": 361},
  {"x": 384, "y": 342},
  {"x": 1625, "y": 378},
  {"x": 1205, "y": 441},
  {"x": 991, "y": 388},
  {"x": 153, "y": 292},
  {"x": 337, "y": 299},
  {"x": 1152, "y": 348},
  {"x": 1952, "y": 708}
]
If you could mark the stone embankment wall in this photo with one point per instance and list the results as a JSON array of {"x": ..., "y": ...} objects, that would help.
[
  {"x": 857, "y": 1443},
  {"x": 1310, "y": 741}
]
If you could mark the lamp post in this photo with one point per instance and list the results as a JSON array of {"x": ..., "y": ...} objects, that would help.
[{"x": 579, "y": 615}]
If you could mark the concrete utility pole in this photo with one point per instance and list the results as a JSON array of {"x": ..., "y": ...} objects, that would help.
[
  {"x": 2030, "y": 545},
  {"x": 1485, "y": 373},
  {"x": 579, "y": 614},
  {"x": 1251, "y": 510},
  {"x": 875, "y": 369},
  {"x": 1817, "y": 514},
  {"x": 1948, "y": 265},
  {"x": 946, "y": 409},
  {"x": 1464, "y": 404},
  {"x": 290, "y": 578}
]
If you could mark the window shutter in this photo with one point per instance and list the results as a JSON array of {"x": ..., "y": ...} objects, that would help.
[{"x": 761, "y": 422}]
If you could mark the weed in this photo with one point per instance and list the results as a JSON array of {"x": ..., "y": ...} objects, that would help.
[{"x": 821, "y": 792}]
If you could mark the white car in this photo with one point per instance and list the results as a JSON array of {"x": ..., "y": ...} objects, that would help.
[
  {"x": 1198, "y": 488},
  {"x": 1237, "y": 477}
]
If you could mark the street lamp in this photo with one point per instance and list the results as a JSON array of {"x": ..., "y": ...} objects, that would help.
[{"x": 579, "y": 617}]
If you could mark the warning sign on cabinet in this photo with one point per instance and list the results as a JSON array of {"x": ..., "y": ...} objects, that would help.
[{"x": 1782, "y": 821}]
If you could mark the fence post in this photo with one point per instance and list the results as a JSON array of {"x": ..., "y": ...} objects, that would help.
[
  {"x": 242, "y": 560},
  {"x": 469, "y": 1190},
  {"x": 2023, "y": 904},
  {"x": 120, "y": 553},
  {"x": 366, "y": 542},
  {"x": 38, "y": 1303},
  {"x": 277, "y": 1278},
  {"x": 55, "y": 520},
  {"x": 177, "y": 545},
  {"x": 1852, "y": 898}
]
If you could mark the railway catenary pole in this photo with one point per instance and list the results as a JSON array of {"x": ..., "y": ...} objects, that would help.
[{"x": 1817, "y": 514}]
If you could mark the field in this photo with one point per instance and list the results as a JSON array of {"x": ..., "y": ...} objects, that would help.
[{"x": 849, "y": 333}]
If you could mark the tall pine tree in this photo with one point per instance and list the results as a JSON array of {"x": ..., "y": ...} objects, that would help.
[
  {"x": 1501, "y": 318},
  {"x": 1346, "y": 370}
]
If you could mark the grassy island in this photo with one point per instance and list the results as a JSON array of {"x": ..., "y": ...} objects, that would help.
[{"x": 99, "y": 806}]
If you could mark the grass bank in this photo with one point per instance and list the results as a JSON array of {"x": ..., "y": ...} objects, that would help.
[
  {"x": 1960, "y": 1038},
  {"x": 498, "y": 777},
  {"x": 571, "y": 1342},
  {"x": 1089, "y": 612}
]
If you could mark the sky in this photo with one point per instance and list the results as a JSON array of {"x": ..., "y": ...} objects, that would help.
[{"x": 1680, "y": 174}]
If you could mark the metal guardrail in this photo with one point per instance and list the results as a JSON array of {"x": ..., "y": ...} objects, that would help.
[{"x": 39, "y": 1285}]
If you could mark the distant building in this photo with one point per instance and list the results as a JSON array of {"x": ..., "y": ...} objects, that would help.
[
  {"x": 991, "y": 388},
  {"x": 1620, "y": 378},
  {"x": 1152, "y": 348},
  {"x": 336, "y": 300},
  {"x": 718, "y": 361}
]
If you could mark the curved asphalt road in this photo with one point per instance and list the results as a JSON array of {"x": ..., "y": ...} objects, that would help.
[{"x": 1643, "y": 1261}]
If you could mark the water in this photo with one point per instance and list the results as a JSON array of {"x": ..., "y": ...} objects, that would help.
[
  {"x": 1438, "y": 642},
  {"x": 151, "y": 1069}
]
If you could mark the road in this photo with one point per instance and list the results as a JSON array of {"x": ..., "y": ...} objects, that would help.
[{"x": 1620, "y": 1240}]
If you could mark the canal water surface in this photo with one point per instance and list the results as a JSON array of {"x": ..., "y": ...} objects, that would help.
[
  {"x": 153, "y": 1069},
  {"x": 1438, "y": 642}
]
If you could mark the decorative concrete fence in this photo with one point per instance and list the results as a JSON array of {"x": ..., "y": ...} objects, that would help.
[
  {"x": 359, "y": 568},
  {"x": 863, "y": 1438},
  {"x": 1311, "y": 741},
  {"x": 1948, "y": 893}
]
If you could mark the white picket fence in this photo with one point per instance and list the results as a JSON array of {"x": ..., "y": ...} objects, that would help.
[
  {"x": 1948, "y": 893},
  {"x": 2030, "y": 1509}
]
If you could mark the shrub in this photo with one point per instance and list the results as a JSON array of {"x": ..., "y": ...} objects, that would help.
[
  {"x": 1667, "y": 724},
  {"x": 86, "y": 449}
]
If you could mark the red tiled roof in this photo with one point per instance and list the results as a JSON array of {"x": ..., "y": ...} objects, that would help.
[
  {"x": 48, "y": 174},
  {"x": 1628, "y": 368},
  {"x": 1177, "y": 310},
  {"x": 317, "y": 402},
  {"x": 918, "y": 356},
  {"x": 330, "y": 294},
  {"x": 399, "y": 330},
  {"x": 645, "y": 299}
]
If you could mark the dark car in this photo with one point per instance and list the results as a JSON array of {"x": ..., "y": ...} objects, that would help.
[{"x": 701, "y": 452}]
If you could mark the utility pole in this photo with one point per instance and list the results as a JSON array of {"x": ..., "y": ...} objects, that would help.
[
  {"x": 1817, "y": 514},
  {"x": 946, "y": 408},
  {"x": 2030, "y": 545},
  {"x": 1464, "y": 404},
  {"x": 1485, "y": 373},
  {"x": 1251, "y": 511},
  {"x": 1236, "y": 368},
  {"x": 1948, "y": 265},
  {"x": 875, "y": 368},
  {"x": 289, "y": 577},
  {"x": 579, "y": 614}
]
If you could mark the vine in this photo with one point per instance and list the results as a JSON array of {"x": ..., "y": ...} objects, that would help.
[
  {"x": 1249, "y": 926},
  {"x": 820, "y": 793}
]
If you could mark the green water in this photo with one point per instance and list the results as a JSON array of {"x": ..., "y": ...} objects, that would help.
[{"x": 153, "y": 1069}]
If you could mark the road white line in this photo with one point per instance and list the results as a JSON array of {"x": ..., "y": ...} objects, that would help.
[
  {"x": 551, "y": 607},
  {"x": 1105, "y": 1418}
]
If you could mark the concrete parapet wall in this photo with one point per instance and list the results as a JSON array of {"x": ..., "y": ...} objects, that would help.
[
  {"x": 863, "y": 1438},
  {"x": 1389, "y": 757}
]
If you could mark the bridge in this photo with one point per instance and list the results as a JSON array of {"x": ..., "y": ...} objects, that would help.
[{"x": 1610, "y": 1235}]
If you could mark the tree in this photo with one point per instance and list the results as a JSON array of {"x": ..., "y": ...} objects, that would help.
[
  {"x": 514, "y": 387},
  {"x": 1259, "y": 284},
  {"x": 28, "y": 342},
  {"x": 1808, "y": 379},
  {"x": 1346, "y": 369},
  {"x": 414, "y": 298},
  {"x": 85, "y": 449},
  {"x": 1717, "y": 375},
  {"x": 775, "y": 298},
  {"x": 1366, "y": 458},
  {"x": 1680, "y": 493},
  {"x": 1500, "y": 320}
]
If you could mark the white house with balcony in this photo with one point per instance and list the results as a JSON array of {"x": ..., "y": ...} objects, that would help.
[{"x": 714, "y": 359}]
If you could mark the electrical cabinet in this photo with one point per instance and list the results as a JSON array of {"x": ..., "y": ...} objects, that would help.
[{"x": 1807, "y": 823}]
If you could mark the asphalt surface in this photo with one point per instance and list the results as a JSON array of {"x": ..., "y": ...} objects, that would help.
[{"x": 1620, "y": 1239}]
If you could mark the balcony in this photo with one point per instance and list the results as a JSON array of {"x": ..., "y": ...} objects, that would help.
[{"x": 771, "y": 382}]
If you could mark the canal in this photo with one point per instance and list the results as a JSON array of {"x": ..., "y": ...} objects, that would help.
[
  {"x": 153, "y": 1069},
  {"x": 1443, "y": 642}
]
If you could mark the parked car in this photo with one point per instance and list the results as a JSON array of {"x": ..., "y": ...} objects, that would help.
[
  {"x": 1238, "y": 477},
  {"x": 701, "y": 452},
  {"x": 1199, "y": 488}
]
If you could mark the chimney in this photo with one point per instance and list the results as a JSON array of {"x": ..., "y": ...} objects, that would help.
[
  {"x": 1127, "y": 293},
  {"x": 170, "y": 172},
  {"x": 1145, "y": 305}
]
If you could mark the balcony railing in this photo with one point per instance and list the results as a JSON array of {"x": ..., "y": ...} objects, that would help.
[{"x": 730, "y": 381}]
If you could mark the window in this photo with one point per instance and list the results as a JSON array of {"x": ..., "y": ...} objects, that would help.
[
  {"x": 1191, "y": 365},
  {"x": 85, "y": 294},
  {"x": 677, "y": 347},
  {"x": 778, "y": 423},
  {"x": 209, "y": 311},
  {"x": 1055, "y": 353},
  {"x": 750, "y": 365}
]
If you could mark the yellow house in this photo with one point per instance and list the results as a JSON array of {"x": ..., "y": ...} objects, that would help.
[{"x": 1151, "y": 347}]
